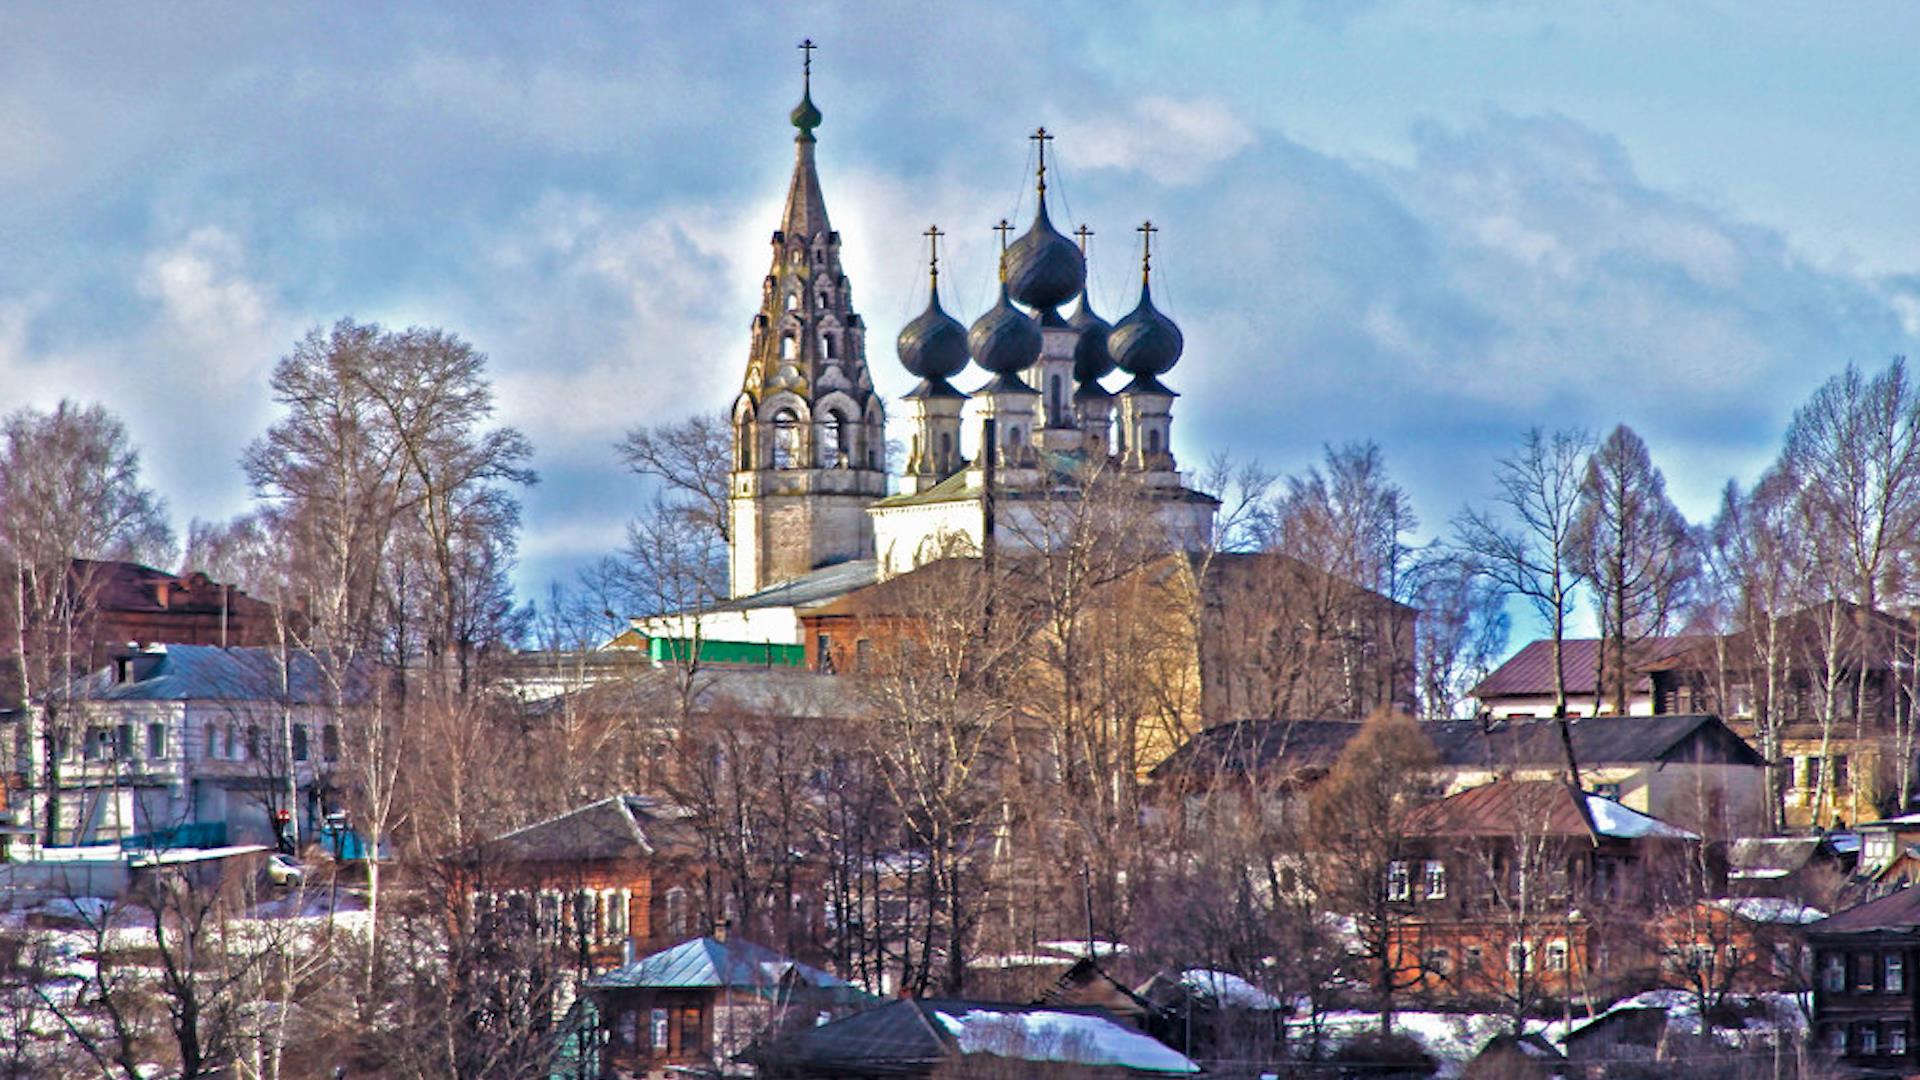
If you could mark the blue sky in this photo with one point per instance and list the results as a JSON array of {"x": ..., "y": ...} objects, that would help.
[{"x": 1429, "y": 224}]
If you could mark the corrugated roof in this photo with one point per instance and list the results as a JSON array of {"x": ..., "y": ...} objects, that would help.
[
  {"x": 210, "y": 673},
  {"x": 707, "y": 963},
  {"x": 914, "y": 1036},
  {"x": 776, "y": 692},
  {"x": 620, "y": 826},
  {"x": 1530, "y": 671}
]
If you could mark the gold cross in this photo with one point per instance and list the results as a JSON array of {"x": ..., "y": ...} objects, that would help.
[
  {"x": 1003, "y": 229},
  {"x": 1085, "y": 234},
  {"x": 1041, "y": 137},
  {"x": 933, "y": 235}
]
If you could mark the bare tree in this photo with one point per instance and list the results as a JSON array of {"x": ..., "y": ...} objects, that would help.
[
  {"x": 1523, "y": 545},
  {"x": 1462, "y": 631},
  {"x": 1632, "y": 544},
  {"x": 70, "y": 493}
]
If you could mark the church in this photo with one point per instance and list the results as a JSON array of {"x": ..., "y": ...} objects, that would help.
[{"x": 811, "y": 514}]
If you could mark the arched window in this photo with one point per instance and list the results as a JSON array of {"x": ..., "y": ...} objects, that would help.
[
  {"x": 786, "y": 440},
  {"x": 828, "y": 348},
  {"x": 676, "y": 912},
  {"x": 833, "y": 447},
  {"x": 793, "y": 301},
  {"x": 789, "y": 347},
  {"x": 743, "y": 444},
  {"x": 946, "y": 449},
  {"x": 1056, "y": 401},
  {"x": 1153, "y": 441}
]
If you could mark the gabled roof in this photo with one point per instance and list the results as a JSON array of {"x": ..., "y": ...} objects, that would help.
[
  {"x": 918, "y": 1035},
  {"x": 1550, "y": 808},
  {"x": 617, "y": 827},
  {"x": 1303, "y": 748},
  {"x": 210, "y": 673},
  {"x": 707, "y": 963},
  {"x": 1530, "y": 671},
  {"x": 1896, "y": 912}
]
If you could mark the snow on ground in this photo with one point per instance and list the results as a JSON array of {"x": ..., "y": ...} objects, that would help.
[
  {"x": 1770, "y": 909},
  {"x": 1077, "y": 1038},
  {"x": 1452, "y": 1038}
]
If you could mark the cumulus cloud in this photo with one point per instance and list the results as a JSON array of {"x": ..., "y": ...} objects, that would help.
[{"x": 1178, "y": 141}]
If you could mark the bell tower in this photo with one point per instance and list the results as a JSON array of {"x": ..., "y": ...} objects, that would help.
[{"x": 809, "y": 433}]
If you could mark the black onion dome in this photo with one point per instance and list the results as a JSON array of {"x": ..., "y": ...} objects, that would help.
[
  {"x": 1145, "y": 342},
  {"x": 1004, "y": 340},
  {"x": 1091, "y": 360},
  {"x": 934, "y": 345},
  {"x": 1045, "y": 269}
]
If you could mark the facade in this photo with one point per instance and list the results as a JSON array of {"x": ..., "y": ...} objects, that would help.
[
  {"x": 1865, "y": 1005},
  {"x": 696, "y": 1005},
  {"x": 609, "y": 879},
  {"x": 1532, "y": 890},
  {"x": 195, "y": 745}
]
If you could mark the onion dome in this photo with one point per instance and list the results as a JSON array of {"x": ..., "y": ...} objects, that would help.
[
  {"x": 1145, "y": 343},
  {"x": 1091, "y": 360},
  {"x": 934, "y": 345},
  {"x": 1004, "y": 340},
  {"x": 1044, "y": 268}
]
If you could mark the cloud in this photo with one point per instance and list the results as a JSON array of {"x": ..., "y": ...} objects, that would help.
[
  {"x": 1178, "y": 141},
  {"x": 220, "y": 323}
]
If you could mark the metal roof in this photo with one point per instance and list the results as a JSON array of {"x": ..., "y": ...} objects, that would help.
[
  {"x": 620, "y": 826},
  {"x": 210, "y": 673},
  {"x": 1530, "y": 671},
  {"x": 1897, "y": 912},
  {"x": 813, "y": 587},
  {"x": 707, "y": 963}
]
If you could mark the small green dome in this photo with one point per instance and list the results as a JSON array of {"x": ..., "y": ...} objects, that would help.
[{"x": 805, "y": 116}]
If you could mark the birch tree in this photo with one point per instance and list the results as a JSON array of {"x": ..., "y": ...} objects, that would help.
[{"x": 70, "y": 492}]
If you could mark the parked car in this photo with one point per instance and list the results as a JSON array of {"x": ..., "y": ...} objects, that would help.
[{"x": 284, "y": 869}]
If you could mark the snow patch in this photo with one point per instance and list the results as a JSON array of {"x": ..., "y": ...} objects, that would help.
[
  {"x": 1612, "y": 819},
  {"x": 1075, "y": 1038},
  {"x": 1229, "y": 989}
]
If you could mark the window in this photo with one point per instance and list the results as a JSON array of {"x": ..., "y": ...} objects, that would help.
[
  {"x": 330, "y": 742},
  {"x": 1607, "y": 791},
  {"x": 676, "y": 912},
  {"x": 823, "y": 652},
  {"x": 1436, "y": 876},
  {"x": 1866, "y": 1039},
  {"x": 1896, "y": 1039},
  {"x": 629, "y": 1027},
  {"x": 827, "y": 346},
  {"x": 1517, "y": 958},
  {"x": 743, "y": 439},
  {"x": 690, "y": 1034},
  {"x": 1056, "y": 401},
  {"x": 1473, "y": 958},
  {"x": 862, "y": 655},
  {"x": 1836, "y": 1039},
  {"x": 123, "y": 742},
  {"x": 1833, "y": 973},
  {"x": 789, "y": 347},
  {"x": 300, "y": 742},
  {"x": 1439, "y": 961},
  {"x": 1837, "y": 774},
  {"x": 1399, "y": 884},
  {"x": 1893, "y": 970},
  {"x": 657, "y": 1031},
  {"x": 1153, "y": 441},
  {"x": 793, "y": 301},
  {"x": 1863, "y": 973},
  {"x": 1556, "y": 956},
  {"x": 156, "y": 741},
  {"x": 786, "y": 439}
]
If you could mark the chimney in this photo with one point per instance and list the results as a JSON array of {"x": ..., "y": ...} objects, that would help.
[{"x": 720, "y": 929}]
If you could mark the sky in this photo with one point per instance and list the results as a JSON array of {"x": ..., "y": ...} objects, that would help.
[{"x": 1433, "y": 225}]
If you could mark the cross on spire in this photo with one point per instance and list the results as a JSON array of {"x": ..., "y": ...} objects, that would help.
[
  {"x": 1085, "y": 234},
  {"x": 806, "y": 65},
  {"x": 1003, "y": 229},
  {"x": 1146, "y": 229},
  {"x": 1041, "y": 139},
  {"x": 933, "y": 235}
]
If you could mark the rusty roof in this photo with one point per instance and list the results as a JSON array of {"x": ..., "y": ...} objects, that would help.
[
  {"x": 1530, "y": 671},
  {"x": 1551, "y": 808}
]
